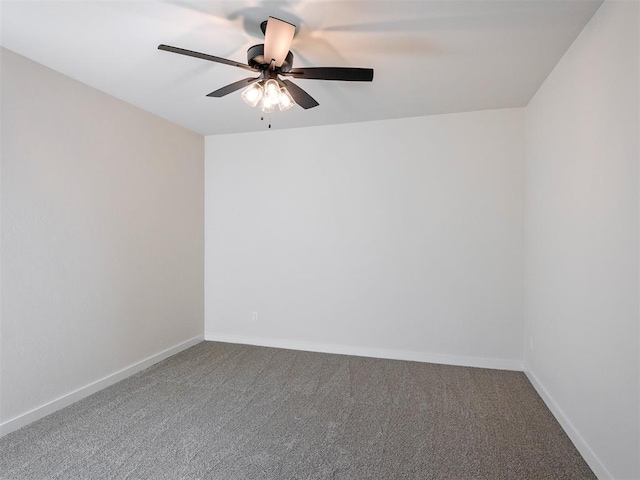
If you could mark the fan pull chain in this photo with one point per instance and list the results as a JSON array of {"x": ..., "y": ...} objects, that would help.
[{"x": 268, "y": 119}]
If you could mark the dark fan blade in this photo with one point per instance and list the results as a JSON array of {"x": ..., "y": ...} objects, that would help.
[
  {"x": 301, "y": 97},
  {"x": 221, "y": 92},
  {"x": 333, "y": 73},
  {"x": 278, "y": 36},
  {"x": 204, "y": 56}
]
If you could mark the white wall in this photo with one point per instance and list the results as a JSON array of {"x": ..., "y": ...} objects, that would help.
[
  {"x": 398, "y": 238},
  {"x": 582, "y": 241},
  {"x": 102, "y": 236}
]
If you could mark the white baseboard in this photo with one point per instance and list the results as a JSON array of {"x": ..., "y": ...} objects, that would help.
[
  {"x": 581, "y": 445},
  {"x": 478, "y": 362},
  {"x": 72, "y": 397}
]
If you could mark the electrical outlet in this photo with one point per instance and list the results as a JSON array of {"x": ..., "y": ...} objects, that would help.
[{"x": 254, "y": 316}]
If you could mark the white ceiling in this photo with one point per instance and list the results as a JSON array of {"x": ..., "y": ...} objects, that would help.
[{"x": 430, "y": 57}]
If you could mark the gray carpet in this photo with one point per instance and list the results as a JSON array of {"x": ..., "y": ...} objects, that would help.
[{"x": 223, "y": 411}]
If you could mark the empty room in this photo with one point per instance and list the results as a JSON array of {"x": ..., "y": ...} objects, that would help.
[{"x": 320, "y": 239}]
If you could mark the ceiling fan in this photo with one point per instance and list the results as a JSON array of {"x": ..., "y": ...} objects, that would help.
[{"x": 271, "y": 60}]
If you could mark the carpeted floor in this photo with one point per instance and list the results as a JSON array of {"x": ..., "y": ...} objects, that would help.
[{"x": 224, "y": 411}]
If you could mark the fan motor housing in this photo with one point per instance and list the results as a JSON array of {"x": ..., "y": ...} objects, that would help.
[{"x": 255, "y": 59}]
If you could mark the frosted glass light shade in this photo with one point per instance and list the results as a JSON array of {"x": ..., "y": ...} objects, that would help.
[
  {"x": 286, "y": 100},
  {"x": 252, "y": 94},
  {"x": 271, "y": 91},
  {"x": 271, "y": 96}
]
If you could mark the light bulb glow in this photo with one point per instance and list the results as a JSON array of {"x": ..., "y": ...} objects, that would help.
[
  {"x": 266, "y": 106},
  {"x": 271, "y": 96},
  {"x": 271, "y": 92},
  {"x": 252, "y": 94}
]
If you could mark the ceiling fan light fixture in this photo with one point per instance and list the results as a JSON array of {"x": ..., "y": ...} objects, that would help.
[
  {"x": 268, "y": 96},
  {"x": 252, "y": 94}
]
